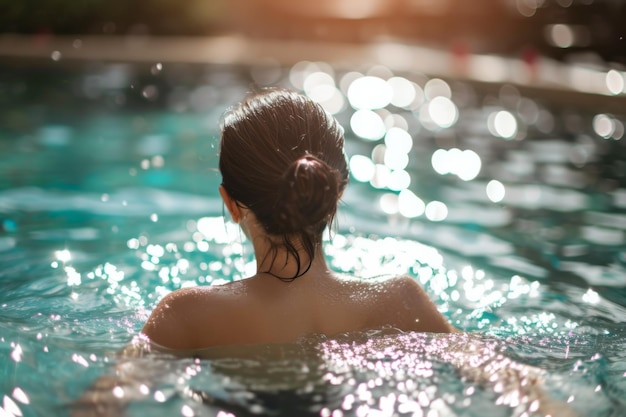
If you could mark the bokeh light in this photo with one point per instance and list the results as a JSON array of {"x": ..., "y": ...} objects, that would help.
[
  {"x": 560, "y": 35},
  {"x": 410, "y": 205},
  {"x": 469, "y": 166},
  {"x": 615, "y": 82},
  {"x": 495, "y": 191},
  {"x": 398, "y": 180},
  {"x": 403, "y": 91},
  {"x": 399, "y": 140},
  {"x": 443, "y": 111},
  {"x": 440, "y": 161},
  {"x": 502, "y": 124},
  {"x": 603, "y": 125},
  {"x": 464, "y": 164},
  {"x": 436, "y": 211},
  {"x": 396, "y": 160},
  {"x": 302, "y": 70},
  {"x": 362, "y": 168},
  {"x": 389, "y": 203},
  {"x": 368, "y": 125},
  {"x": 369, "y": 93},
  {"x": 316, "y": 79},
  {"x": 381, "y": 176},
  {"x": 63, "y": 255},
  {"x": 437, "y": 88}
]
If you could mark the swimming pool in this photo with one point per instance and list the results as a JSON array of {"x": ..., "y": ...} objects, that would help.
[{"x": 509, "y": 212}]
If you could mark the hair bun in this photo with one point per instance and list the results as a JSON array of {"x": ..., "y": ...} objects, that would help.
[{"x": 308, "y": 196}]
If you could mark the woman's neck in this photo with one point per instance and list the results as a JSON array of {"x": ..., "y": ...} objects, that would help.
[{"x": 272, "y": 257}]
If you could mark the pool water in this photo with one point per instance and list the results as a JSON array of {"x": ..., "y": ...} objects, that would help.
[{"x": 512, "y": 218}]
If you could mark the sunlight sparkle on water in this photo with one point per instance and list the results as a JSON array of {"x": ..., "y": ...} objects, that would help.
[
  {"x": 320, "y": 87},
  {"x": 464, "y": 164},
  {"x": 591, "y": 297},
  {"x": 203, "y": 246},
  {"x": 399, "y": 140},
  {"x": 437, "y": 88},
  {"x": 378, "y": 153},
  {"x": 436, "y": 211},
  {"x": 470, "y": 168},
  {"x": 398, "y": 180},
  {"x": 331, "y": 99},
  {"x": 299, "y": 72},
  {"x": 367, "y": 125},
  {"x": 316, "y": 79},
  {"x": 362, "y": 168},
  {"x": 17, "y": 352},
  {"x": 618, "y": 132},
  {"x": 76, "y": 358},
  {"x": 369, "y": 93},
  {"x": 381, "y": 176},
  {"x": 410, "y": 205},
  {"x": 155, "y": 250},
  {"x": 519, "y": 286},
  {"x": 502, "y": 124},
  {"x": 560, "y": 35},
  {"x": 366, "y": 257},
  {"x": 73, "y": 276},
  {"x": 159, "y": 396},
  {"x": 396, "y": 159},
  {"x": 389, "y": 203},
  {"x": 442, "y": 111},
  {"x": 63, "y": 255},
  {"x": 187, "y": 411},
  {"x": 10, "y": 407},
  {"x": 495, "y": 191},
  {"x": 440, "y": 162},
  {"x": 615, "y": 82},
  {"x": 148, "y": 266},
  {"x": 20, "y": 395},
  {"x": 347, "y": 79},
  {"x": 404, "y": 91},
  {"x": 216, "y": 230},
  {"x": 603, "y": 125}
]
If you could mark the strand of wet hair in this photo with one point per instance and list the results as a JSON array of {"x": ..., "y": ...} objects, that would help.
[
  {"x": 294, "y": 252},
  {"x": 298, "y": 275}
]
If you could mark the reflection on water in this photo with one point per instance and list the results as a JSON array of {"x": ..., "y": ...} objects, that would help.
[
  {"x": 378, "y": 373},
  {"x": 509, "y": 212}
]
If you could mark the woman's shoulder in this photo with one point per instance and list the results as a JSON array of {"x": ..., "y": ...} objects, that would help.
[
  {"x": 384, "y": 284},
  {"x": 186, "y": 297},
  {"x": 402, "y": 302},
  {"x": 385, "y": 292},
  {"x": 183, "y": 298},
  {"x": 174, "y": 321}
]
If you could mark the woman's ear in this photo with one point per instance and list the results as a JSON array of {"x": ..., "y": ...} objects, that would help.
[{"x": 231, "y": 204}]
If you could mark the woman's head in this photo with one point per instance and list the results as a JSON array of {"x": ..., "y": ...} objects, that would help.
[{"x": 281, "y": 156}]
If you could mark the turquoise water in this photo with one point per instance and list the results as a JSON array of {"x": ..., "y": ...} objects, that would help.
[{"x": 108, "y": 201}]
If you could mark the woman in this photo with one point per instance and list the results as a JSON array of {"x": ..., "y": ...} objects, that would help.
[
  {"x": 283, "y": 174},
  {"x": 284, "y": 171}
]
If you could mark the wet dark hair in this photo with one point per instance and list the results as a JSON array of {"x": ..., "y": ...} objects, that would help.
[{"x": 281, "y": 156}]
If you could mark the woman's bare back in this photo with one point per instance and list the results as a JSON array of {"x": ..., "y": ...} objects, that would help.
[{"x": 263, "y": 309}]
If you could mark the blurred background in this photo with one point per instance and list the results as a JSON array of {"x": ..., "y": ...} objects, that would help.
[
  {"x": 487, "y": 150},
  {"x": 578, "y": 30}
]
